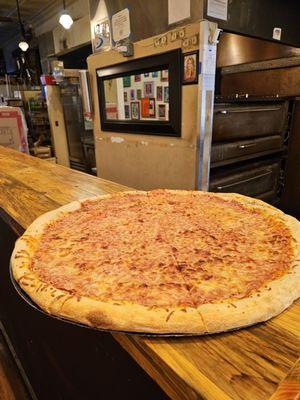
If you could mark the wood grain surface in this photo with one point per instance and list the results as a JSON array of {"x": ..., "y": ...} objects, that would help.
[
  {"x": 289, "y": 388},
  {"x": 256, "y": 363}
]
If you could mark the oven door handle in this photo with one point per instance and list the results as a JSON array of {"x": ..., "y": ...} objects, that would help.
[
  {"x": 246, "y": 145},
  {"x": 244, "y": 110},
  {"x": 244, "y": 180}
]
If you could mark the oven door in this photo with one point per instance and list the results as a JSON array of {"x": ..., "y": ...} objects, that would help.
[
  {"x": 234, "y": 121},
  {"x": 226, "y": 153},
  {"x": 256, "y": 179}
]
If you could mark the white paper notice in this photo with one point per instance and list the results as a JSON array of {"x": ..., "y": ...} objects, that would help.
[
  {"x": 121, "y": 25},
  {"x": 178, "y": 10},
  {"x": 209, "y": 59},
  {"x": 217, "y": 9}
]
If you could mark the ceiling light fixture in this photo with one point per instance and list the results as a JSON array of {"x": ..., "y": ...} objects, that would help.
[
  {"x": 22, "y": 44},
  {"x": 65, "y": 19}
]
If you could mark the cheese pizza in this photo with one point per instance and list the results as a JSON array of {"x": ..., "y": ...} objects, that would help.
[{"x": 182, "y": 262}]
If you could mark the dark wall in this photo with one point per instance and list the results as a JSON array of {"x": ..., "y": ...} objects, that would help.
[
  {"x": 46, "y": 47},
  {"x": 8, "y": 49},
  {"x": 2, "y": 63},
  {"x": 257, "y": 18},
  {"x": 76, "y": 59}
]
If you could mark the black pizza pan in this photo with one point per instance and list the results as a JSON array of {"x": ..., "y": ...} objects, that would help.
[{"x": 29, "y": 301}]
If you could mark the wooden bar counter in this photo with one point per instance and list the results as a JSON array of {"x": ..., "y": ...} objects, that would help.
[{"x": 257, "y": 363}]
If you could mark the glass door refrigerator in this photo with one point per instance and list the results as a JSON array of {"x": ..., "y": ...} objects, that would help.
[{"x": 76, "y": 104}]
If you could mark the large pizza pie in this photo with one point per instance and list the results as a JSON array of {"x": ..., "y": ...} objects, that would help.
[{"x": 162, "y": 261}]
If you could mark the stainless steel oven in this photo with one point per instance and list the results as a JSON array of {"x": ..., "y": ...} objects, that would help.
[{"x": 248, "y": 146}]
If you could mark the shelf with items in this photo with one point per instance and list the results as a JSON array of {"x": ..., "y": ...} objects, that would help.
[{"x": 39, "y": 133}]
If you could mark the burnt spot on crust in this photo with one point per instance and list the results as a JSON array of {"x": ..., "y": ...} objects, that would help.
[
  {"x": 203, "y": 321},
  {"x": 24, "y": 278},
  {"x": 28, "y": 277},
  {"x": 169, "y": 316},
  {"x": 43, "y": 287},
  {"x": 59, "y": 296},
  {"x": 67, "y": 298},
  {"x": 100, "y": 320},
  {"x": 19, "y": 255}
]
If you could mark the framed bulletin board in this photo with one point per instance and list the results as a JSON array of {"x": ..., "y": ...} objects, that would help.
[{"x": 145, "y": 94}]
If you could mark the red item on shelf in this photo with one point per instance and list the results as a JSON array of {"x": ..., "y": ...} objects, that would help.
[{"x": 47, "y": 80}]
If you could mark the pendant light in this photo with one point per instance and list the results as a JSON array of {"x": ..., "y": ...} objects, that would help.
[
  {"x": 65, "y": 19},
  {"x": 22, "y": 44}
]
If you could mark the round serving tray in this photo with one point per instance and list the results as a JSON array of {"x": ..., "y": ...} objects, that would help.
[{"x": 28, "y": 300}]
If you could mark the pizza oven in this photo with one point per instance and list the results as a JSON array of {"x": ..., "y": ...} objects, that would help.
[{"x": 248, "y": 145}]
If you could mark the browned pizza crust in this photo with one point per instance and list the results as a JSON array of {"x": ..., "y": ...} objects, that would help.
[{"x": 207, "y": 318}]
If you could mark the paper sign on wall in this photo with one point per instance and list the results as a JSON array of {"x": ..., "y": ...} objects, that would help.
[
  {"x": 178, "y": 10},
  {"x": 217, "y": 9},
  {"x": 277, "y": 33},
  {"x": 121, "y": 25},
  {"x": 209, "y": 59},
  {"x": 101, "y": 35}
]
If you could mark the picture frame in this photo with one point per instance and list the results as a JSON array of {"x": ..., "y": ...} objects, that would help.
[
  {"x": 132, "y": 94},
  {"x": 111, "y": 111},
  {"x": 162, "y": 111},
  {"x": 152, "y": 112},
  {"x": 159, "y": 93},
  {"x": 137, "y": 78},
  {"x": 170, "y": 60},
  {"x": 145, "y": 107},
  {"x": 135, "y": 110},
  {"x": 125, "y": 97},
  {"x": 164, "y": 75},
  {"x": 190, "y": 65},
  {"x": 127, "y": 111},
  {"x": 127, "y": 81},
  {"x": 166, "y": 94},
  {"x": 139, "y": 94},
  {"x": 148, "y": 89}
]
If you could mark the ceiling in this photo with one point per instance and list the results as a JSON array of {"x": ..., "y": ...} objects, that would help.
[{"x": 9, "y": 26}]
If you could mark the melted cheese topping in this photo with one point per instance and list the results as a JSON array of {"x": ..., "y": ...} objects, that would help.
[{"x": 164, "y": 249}]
